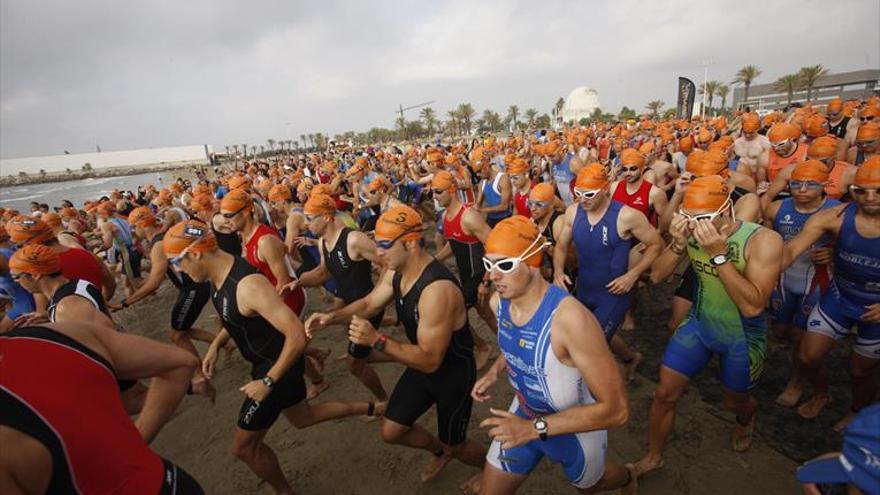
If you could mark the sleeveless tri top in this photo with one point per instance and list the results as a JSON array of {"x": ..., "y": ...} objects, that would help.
[
  {"x": 467, "y": 249},
  {"x": 602, "y": 254},
  {"x": 857, "y": 261},
  {"x": 353, "y": 277}
]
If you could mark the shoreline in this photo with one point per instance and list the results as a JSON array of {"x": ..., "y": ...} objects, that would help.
[{"x": 12, "y": 181}]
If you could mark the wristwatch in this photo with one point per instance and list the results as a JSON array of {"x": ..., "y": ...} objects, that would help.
[
  {"x": 380, "y": 344},
  {"x": 541, "y": 427},
  {"x": 268, "y": 381},
  {"x": 718, "y": 260}
]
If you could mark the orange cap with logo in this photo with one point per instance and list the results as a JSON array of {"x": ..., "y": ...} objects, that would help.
[
  {"x": 189, "y": 234},
  {"x": 868, "y": 131},
  {"x": 630, "y": 157},
  {"x": 706, "y": 193},
  {"x": 280, "y": 192},
  {"x": 236, "y": 200},
  {"x": 107, "y": 208},
  {"x": 783, "y": 131},
  {"x": 517, "y": 236},
  {"x": 142, "y": 216},
  {"x": 810, "y": 170},
  {"x": 822, "y": 147},
  {"x": 399, "y": 223},
  {"x": 319, "y": 204},
  {"x": 321, "y": 189},
  {"x": 35, "y": 259},
  {"x": 868, "y": 174},
  {"x": 592, "y": 177},
  {"x": 28, "y": 230},
  {"x": 542, "y": 191},
  {"x": 443, "y": 180}
]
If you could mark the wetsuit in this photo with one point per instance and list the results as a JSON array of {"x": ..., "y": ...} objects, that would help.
[
  {"x": 192, "y": 296},
  {"x": 295, "y": 299},
  {"x": 543, "y": 385},
  {"x": 856, "y": 285},
  {"x": 449, "y": 386},
  {"x": 354, "y": 280},
  {"x": 260, "y": 344},
  {"x": 468, "y": 253},
  {"x": 602, "y": 256},
  {"x": 715, "y": 324},
  {"x": 94, "y": 446},
  {"x": 838, "y": 130},
  {"x": 801, "y": 284}
]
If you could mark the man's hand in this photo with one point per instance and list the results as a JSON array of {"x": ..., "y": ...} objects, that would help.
[
  {"x": 315, "y": 322},
  {"x": 290, "y": 286},
  {"x": 762, "y": 188},
  {"x": 483, "y": 292},
  {"x": 362, "y": 332},
  {"x": 678, "y": 229},
  {"x": 561, "y": 279},
  {"x": 872, "y": 315},
  {"x": 29, "y": 319},
  {"x": 822, "y": 256},
  {"x": 509, "y": 429},
  {"x": 713, "y": 241},
  {"x": 622, "y": 284},
  {"x": 256, "y": 390},
  {"x": 209, "y": 362},
  {"x": 480, "y": 392},
  {"x": 305, "y": 241}
]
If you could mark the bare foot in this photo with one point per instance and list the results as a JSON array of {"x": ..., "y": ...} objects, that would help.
[
  {"x": 434, "y": 467},
  {"x": 813, "y": 407},
  {"x": 645, "y": 466},
  {"x": 319, "y": 355},
  {"x": 632, "y": 486},
  {"x": 202, "y": 386},
  {"x": 791, "y": 395},
  {"x": 472, "y": 486},
  {"x": 844, "y": 421},
  {"x": 481, "y": 356},
  {"x": 742, "y": 436},
  {"x": 378, "y": 412},
  {"x": 630, "y": 367},
  {"x": 315, "y": 389}
]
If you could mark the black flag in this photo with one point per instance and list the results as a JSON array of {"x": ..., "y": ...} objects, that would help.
[{"x": 686, "y": 93}]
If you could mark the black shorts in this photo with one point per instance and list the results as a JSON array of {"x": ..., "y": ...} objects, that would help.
[
  {"x": 126, "y": 384},
  {"x": 687, "y": 285},
  {"x": 362, "y": 351},
  {"x": 190, "y": 301},
  {"x": 470, "y": 289},
  {"x": 176, "y": 481},
  {"x": 289, "y": 391},
  {"x": 449, "y": 388}
]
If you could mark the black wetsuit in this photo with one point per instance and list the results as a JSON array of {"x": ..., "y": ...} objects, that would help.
[
  {"x": 354, "y": 280},
  {"x": 450, "y": 385},
  {"x": 838, "y": 130},
  {"x": 191, "y": 296},
  {"x": 260, "y": 344}
]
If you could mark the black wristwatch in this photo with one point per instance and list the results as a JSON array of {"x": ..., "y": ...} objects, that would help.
[
  {"x": 268, "y": 381},
  {"x": 541, "y": 427}
]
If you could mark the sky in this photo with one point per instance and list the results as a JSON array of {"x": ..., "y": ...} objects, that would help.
[{"x": 125, "y": 75}]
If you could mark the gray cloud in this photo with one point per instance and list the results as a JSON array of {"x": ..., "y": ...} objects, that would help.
[{"x": 144, "y": 74}]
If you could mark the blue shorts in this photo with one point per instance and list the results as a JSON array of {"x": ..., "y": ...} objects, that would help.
[
  {"x": 836, "y": 315},
  {"x": 742, "y": 360},
  {"x": 609, "y": 309},
  {"x": 791, "y": 308},
  {"x": 582, "y": 455}
]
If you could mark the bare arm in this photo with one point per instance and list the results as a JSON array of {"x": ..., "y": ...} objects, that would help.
[
  {"x": 318, "y": 275},
  {"x": 158, "y": 266},
  {"x": 360, "y": 247},
  {"x": 751, "y": 290},
  {"x": 271, "y": 250},
  {"x": 474, "y": 224},
  {"x": 78, "y": 309},
  {"x": 820, "y": 223},
  {"x": 638, "y": 226},
  {"x": 777, "y": 186},
  {"x": 560, "y": 250}
]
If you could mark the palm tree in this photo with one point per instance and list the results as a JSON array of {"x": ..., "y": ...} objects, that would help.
[
  {"x": 810, "y": 76},
  {"x": 531, "y": 114},
  {"x": 466, "y": 113},
  {"x": 254, "y": 151},
  {"x": 302, "y": 137},
  {"x": 271, "y": 143},
  {"x": 244, "y": 149},
  {"x": 512, "y": 113},
  {"x": 709, "y": 90},
  {"x": 746, "y": 76},
  {"x": 430, "y": 117},
  {"x": 311, "y": 140},
  {"x": 722, "y": 90},
  {"x": 788, "y": 83},
  {"x": 654, "y": 107},
  {"x": 491, "y": 120},
  {"x": 235, "y": 147},
  {"x": 400, "y": 123}
]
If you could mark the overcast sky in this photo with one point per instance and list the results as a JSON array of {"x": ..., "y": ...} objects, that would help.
[{"x": 125, "y": 74}]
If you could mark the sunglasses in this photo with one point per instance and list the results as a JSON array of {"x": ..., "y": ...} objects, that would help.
[
  {"x": 16, "y": 276},
  {"x": 795, "y": 185},
  {"x": 705, "y": 216},
  {"x": 866, "y": 142},
  {"x": 508, "y": 265},
  {"x": 536, "y": 204},
  {"x": 859, "y": 190},
  {"x": 386, "y": 245},
  {"x": 236, "y": 212},
  {"x": 780, "y": 144},
  {"x": 586, "y": 194}
]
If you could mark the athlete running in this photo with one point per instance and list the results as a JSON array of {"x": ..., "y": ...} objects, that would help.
[
  {"x": 736, "y": 265},
  {"x": 567, "y": 389}
]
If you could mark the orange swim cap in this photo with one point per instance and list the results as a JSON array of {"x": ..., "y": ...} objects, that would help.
[
  {"x": 434, "y": 155},
  {"x": 399, "y": 223},
  {"x": 810, "y": 170},
  {"x": 751, "y": 122},
  {"x": 380, "y": 183},
  {"x": 68, "y": 212},
  {"x": 706, "y": 193},
  {"x": 189, "y": 234},
  {"x": 319, "y": 204},
  {"x": 835, "y": 106},
  {"x": 542, "y": 191},
  {"x": 710, "y": 162},
  {"x": 107, "y": 208},
  {"x": 816, "y": 126},
  {"x": 443, "y": 180},
  {"x": 517, "y": 166},
  {"x": 630, "y": 157},
  {"x": 686, "y": 144},
  {"x": 142, "y": 216},
  {"x": 321, "y": 190},
  {"x": 783, "y": 131},
  {"x": 704, "y": 136},
  {"x": 280, "y": 192},
  {"x": 52, "y": 219},
  {"x": 646, "y": 148},
  {"x": 236, "y": 200},
  {"x": 592, "y": 177},
  {"x": 28, "y": 230},
  {"x": 239, "y": 182},
  {"x": 822, "y": 147},
  {"x": 868, "y": 174},
  {"x": 517, "y": 236},
  {"x": 35, "y": 259},
  {"x": 202, "y": 203},
  {"x": 868, "y": 131}
]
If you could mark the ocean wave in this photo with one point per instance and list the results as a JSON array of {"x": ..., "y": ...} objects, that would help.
[{"x": 21, "y": 198}]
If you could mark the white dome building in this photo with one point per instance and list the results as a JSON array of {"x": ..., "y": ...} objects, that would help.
[{"x": 580, "y": 104}]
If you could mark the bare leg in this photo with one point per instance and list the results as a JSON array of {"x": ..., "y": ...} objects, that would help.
[
  {"x": 864, "y": 388},
  {"x": 813, "y": 349},
  {"x": 133, "y": 398},
  {"x": 418, "y": 438},
  {"x": 630, "y": 358},
  {"x": 248, "y": 446},
  {"x": 680, "y": 308},
  {"x": 303, "y": 414},
  {"x": 498, "y": 482},
  {"x": 745, "y": 406},
  {"x": 661, "y": 419},
  {"x": 616, "y": 475},
  {"x": 200, "y": 335},
  {"x": 200, "y": 384},
  {"x": 795, "y": 387},
  {"x": 368, "y": 376}
]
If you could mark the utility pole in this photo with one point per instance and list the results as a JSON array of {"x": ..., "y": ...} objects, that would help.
[{"x": 706, "y": 65}]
